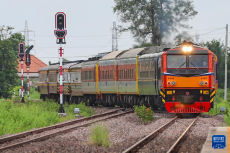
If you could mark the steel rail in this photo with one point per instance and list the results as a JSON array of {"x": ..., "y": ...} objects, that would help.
[
  {"x": 61, "y": 131},
  {"x": 26, "y": 133},
  {"x": 178, "y": 140},
  {"x": 140, "y": 143}
]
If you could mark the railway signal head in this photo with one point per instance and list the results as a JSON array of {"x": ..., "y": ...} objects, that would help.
[
  {"x": 60, "y": 21},
  {"x": 21, "y": 51},
  {"x": 60, "y": 25},
  {"x": 28, "y": 60}
]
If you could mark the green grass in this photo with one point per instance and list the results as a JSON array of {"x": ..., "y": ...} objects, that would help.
[
  {"x": 19, "y": 117},
  {"x": 34, "y": 95},
  {"x": 100, "y": 135},
  {"x": 219, "y": 102}
]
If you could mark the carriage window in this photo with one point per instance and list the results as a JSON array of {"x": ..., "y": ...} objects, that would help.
[
  {"x": 52, "y": 77},
  {"x": 198, "y": 61},
  {"x": 176, "y": 61}
]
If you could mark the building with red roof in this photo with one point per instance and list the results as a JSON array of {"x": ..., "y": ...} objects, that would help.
[{"x": 35, "y": 65}]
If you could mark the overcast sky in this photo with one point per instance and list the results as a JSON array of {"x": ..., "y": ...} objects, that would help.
[{"x": 90, "y": 22}]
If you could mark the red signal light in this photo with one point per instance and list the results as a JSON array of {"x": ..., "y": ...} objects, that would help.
[{"x": 187, "y": 93}]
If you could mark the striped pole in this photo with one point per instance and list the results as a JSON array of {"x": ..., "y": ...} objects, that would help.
[
  {"x": 61, "y": 89},
  {"x": 61, "y": 109},
  {"x": 28, "y": 82},
  {"x": 22, "y": 81}
]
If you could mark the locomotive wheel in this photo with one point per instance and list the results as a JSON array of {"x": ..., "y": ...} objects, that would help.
[
  {"x": 91, "y": 101},
  {"x": 44, "y": 97},
  {"x": 85, "y": 100}
]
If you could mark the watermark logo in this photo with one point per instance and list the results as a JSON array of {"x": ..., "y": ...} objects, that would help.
[{"x": 218, "y": 141}]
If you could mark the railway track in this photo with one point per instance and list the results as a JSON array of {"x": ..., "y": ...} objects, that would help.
[
  {"x": 138, "y": 145},
  {"x": 21, "y": 138}
]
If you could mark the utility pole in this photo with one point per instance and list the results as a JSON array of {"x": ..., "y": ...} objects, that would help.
[
  {"x": 114, "y": 38},
  {"x": 226, "y": 60}
]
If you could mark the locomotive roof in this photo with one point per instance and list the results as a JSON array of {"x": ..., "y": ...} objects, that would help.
[
  {"x": 66, "y": 66},
  {"x": 111, "y": 55},
  {"x": 89, "y": 63},
  {"x": 79, "y": 65},
  {"x": 151, "y": 55},
  {"x": 145, "y": 50},
  {"x": 132, "y": 53},
  {"x": 49, "y": 67},
  {"x": 196, "y": 50}
]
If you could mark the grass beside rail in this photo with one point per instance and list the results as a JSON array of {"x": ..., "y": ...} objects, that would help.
[
  {"x": 100, "y": 135},
  {"x": 20, "y": 117},
  {"x": 219, "y": 102}
]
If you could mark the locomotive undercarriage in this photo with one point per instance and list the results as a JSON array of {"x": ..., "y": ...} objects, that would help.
[
  {"x": 110, "y": 100},
  {"x": 124, "y": 101}
]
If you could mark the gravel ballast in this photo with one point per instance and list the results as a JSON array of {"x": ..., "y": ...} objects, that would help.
[{"x": 125, "y": 131}]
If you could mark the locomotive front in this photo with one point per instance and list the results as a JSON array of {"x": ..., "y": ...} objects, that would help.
[{"x": 189, "y": 79}]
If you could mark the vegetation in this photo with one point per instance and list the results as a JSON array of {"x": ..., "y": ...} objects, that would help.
[
  {"x": 9, "y": 61},
  {"x": 146, "y": 114},
  {"x": 153, "y": 19},
  {"x": 18, "y": 117},
  {"x": 218, "y": 48},
  {"x": 100, "y": 135},
  {"x": 219, "y": 102}
]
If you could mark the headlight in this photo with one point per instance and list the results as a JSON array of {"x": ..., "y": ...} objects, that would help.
[
  {"x": 174, "y": 83},
  {"x": 201, "y": 83},
  {"x": 187, "y": 48}
]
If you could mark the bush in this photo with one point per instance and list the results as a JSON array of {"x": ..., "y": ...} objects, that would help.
[
  {"x": 100, "y": 135},
  {"x": 146, "y": 114}
]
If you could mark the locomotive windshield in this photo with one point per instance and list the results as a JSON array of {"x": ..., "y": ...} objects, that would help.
[
  {"x": 198, "y": 61},
  {"x": 176, "y": 61},
  {"x": 193, "y": 61}
]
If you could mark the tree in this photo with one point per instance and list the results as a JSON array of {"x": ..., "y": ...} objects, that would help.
[
  {"x": 218, "y": 48},
  {"x": 50, "y": 63},
  {"x": 9, "y": 61},
  {"x": 153, "y": 18}
]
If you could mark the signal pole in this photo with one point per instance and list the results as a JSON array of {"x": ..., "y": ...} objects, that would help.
[
  {"x": 21, "y": 55},
  {"x": 226, "y": 60},
  {"x": 28, "y": 62},
  {"x": 60, "y": 33}
]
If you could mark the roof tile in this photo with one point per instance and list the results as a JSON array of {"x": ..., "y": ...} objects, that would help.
[{"x": 35, "y": 65}]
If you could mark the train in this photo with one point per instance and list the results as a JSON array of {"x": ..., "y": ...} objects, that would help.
[{"x": 180, "y": 79}]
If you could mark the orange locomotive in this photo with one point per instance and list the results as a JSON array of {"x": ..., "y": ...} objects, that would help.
[{"x": 189, "y": 79}]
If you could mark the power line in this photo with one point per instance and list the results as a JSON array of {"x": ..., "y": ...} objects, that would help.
[
  {"x": 76, "y": 46},
  {"x": 68, "y": 57},
  {"x": 211, "y": 31}
]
